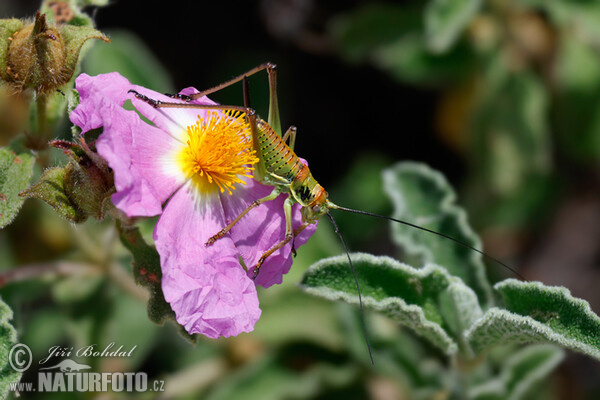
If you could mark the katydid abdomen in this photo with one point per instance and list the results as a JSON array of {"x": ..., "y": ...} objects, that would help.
[{"x": 285, "y": 169}]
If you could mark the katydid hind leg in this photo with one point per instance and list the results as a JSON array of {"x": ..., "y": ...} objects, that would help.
[
  {"x": 273, "y": 119},
  {"x": 166, "y": 104}
]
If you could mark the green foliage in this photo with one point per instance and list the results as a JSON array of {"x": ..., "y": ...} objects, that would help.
[
  {"x": 521, "y": 373},
  {"x": 8, "y": 338},
  {"x": 426, "y": 300},
  {"x": 528, "y": 75},
  {"x": 578, "y": 99},
  {"x": 383, "y": 22},
  {"x": 445, "y": 20},
  {"x": 271, "y": 379},
  {"x": 439, "y": 302},
  {"x": 423, "y": 197},
  {"x": 15, "y": 173},
  {"x": 50, "y": 189},
  {"x": 393, "y": 38},
  {"x": 511, "y": 146},
  {"x": 538, "y": 314}
]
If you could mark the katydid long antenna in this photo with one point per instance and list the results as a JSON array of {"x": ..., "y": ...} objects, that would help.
[
  {"x": 468, "y": 246},
  {"x": 360, "y": 305}
]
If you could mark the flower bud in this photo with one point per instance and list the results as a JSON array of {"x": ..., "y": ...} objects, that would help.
[
  {"x": 39, "y": 55},
  {"x": 87, "y": 187}
]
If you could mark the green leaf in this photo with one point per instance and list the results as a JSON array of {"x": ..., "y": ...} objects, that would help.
[
  {"x": 521, "y": 373},
  {"x": 8, "y": 338},
  {"x": 147, "y": 273},
  {"x": 423, "y": 197},
  {"x": 392, "y": 38},
  {"x": 580, "y": 17},
  {"x": 358, "y": 33},
  {"x": 132, "y": 58},
  {"x": 50, "y": 189},
  {"x": 538, "y": 314},
  {"x": 411, "y": 297},
  {"x": 510, "y": 148},
  {"x": 15, "y": 173},
  {"x": 445, "y": 20},
  {"x": 408, "y": 59},
  {"x": 578, "y": 99}
]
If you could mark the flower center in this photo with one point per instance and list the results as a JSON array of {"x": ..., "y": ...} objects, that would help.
[{"x": 218, "y": 152}]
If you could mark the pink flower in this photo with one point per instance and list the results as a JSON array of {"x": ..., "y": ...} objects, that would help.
[{"x": 193, "y": 168}]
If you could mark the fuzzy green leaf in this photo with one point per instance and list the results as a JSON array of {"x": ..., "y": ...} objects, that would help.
[
  {"x": 520, "y": 374},
  {"x": 429, "y": 301},
  {"x": 15, "y": 173},
  {"x": 423, "y": 197},
  {"x": 445, "y": 20},
  {"x": 50, "y": 189},
  {"x": 538, "y": 314},
  {"x": 8, "y": 338},
  {"x": 147, "y": 273}
]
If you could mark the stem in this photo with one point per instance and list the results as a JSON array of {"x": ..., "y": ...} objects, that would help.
[
  {"x": 33, "y": 271},
  {"x": 38, "y": 139},
  {"x": 41, "y": 102}
]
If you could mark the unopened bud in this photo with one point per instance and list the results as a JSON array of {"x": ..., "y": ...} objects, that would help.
[
  {"x": 41, "y": 56},
  {"x": 88, "y": 187}
]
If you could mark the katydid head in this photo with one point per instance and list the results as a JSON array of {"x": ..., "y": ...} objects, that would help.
[{"x": 317, "y": 207}]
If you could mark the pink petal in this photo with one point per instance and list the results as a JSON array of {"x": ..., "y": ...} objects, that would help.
[
  {"x": 92, "y": 90},
  {"x": 206, "y": 286},
  {"x": 137, "y": 152}
]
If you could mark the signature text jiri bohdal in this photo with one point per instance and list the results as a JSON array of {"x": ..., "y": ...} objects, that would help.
[{"x": 88, "y": 351}]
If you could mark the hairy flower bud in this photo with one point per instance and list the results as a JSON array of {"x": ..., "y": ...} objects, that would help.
[
  {"x": 87, "y": 187},
  {"x": 39, "y": 55}
]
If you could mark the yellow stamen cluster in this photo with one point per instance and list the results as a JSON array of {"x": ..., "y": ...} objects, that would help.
[{"x": 218, "y": 152}]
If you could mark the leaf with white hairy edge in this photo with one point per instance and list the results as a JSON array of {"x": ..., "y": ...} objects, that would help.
[
  {"x": 520, "y": 374},
  {"x": 536, "y": 313},
  {"x": 412, "y": 297},
  {"x": 422, "y": 196}
]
